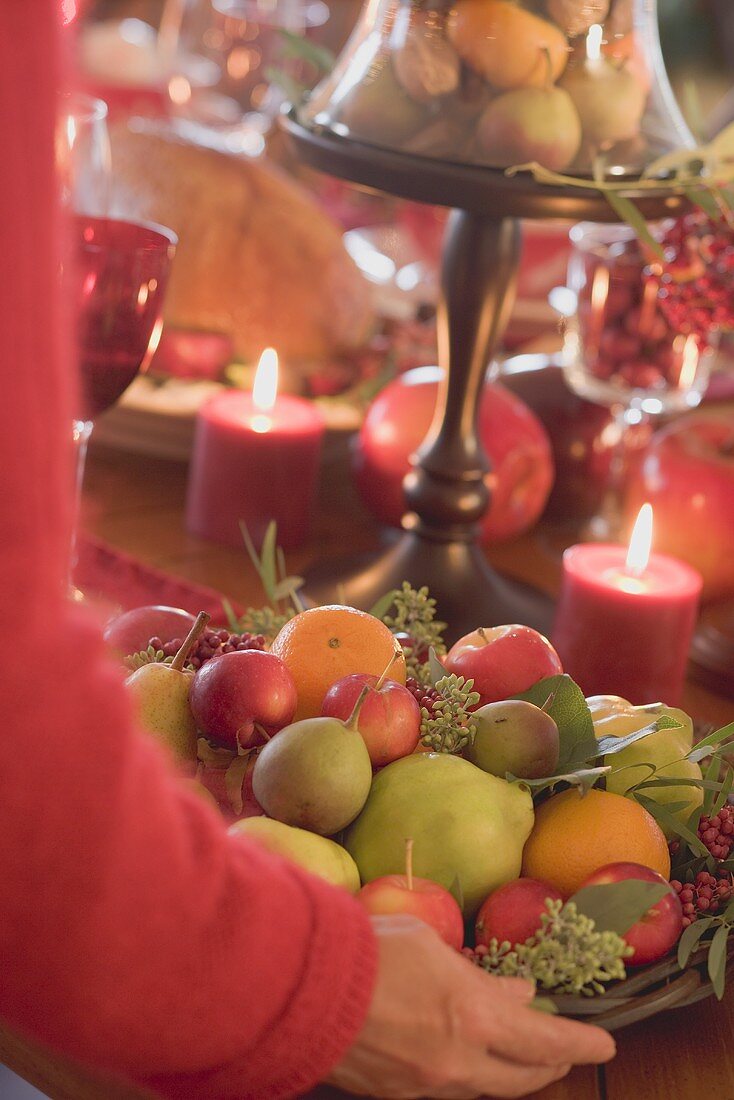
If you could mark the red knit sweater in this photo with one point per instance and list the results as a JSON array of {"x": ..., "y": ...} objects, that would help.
[{"x": 135, "y": 935}]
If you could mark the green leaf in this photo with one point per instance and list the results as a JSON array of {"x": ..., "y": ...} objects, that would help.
[
  {"x": 293, "y": 90},
  {"x": 544, "y": 1004},
  {"x": 701, "y": 197},
  {"x": 723, "y": 143},
  {"x": 303, "y": 49},
  {"x": 690, "y": 939},
  {"x": 268, "y": 567},
  {"x": 709, "y": 795},
  {"x": 569, "y": 710},
  {"x": 383, "y": 605},
  {"x": 700, "y": 750},
  {"x": 616, "y": 906},
  {"x": 232, "y": 620},
  {"x": 456, "y": 890},
  {"x": 728, "y": 914},
  {"x": 438, "y": 671},
  {"x": 717, "y": 959},
  {"x": 725, "y": 791},
  {"x": 629, "y": 213},
  {"x": 608, "y": 746},
  {"x": 582, "y": 778},
  {"x": 667, "y": 821}
]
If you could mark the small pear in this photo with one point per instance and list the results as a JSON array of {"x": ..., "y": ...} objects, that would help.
[
  {"x": 609, "y": 98},
  {"x": 530, "y": 124},
  {"x": 315, "y": 774},
  {"x": 161, "y": 694},
  {"x": 317, "y": 854}
]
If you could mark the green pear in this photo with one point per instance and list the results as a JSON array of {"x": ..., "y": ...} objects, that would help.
[
  {"x": 665, "y": 751},
  {"x": 515, "y": 736},
  {"x": 468, "y": 827},
  {"x": 379, "y": 110},
  {"x": 161, "y": 696},
  {"x": 317, "y": 854},
  {"x": 530, "y": 124},
  {"x": 315, "y": 773},
  {"x": 609, "y": 98}
]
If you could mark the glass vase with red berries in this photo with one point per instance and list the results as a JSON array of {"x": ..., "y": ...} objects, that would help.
[{"x": 636, "y": 343}]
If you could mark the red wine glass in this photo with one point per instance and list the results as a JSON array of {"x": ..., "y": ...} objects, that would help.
[{"x": 120, "y": 271}]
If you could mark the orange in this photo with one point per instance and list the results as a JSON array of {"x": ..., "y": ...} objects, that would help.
[
  {"x": 323, "y": 644},
  {"x": 507, "y": 44},
  {"x": 575, "y": 835}
]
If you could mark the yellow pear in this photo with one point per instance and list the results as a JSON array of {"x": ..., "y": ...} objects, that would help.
[
  {"x": 314, "y": 853},
  {"x": 161, "y": 696}
]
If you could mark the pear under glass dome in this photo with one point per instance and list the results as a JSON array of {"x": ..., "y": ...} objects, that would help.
[{"x": 577, "y": 86}]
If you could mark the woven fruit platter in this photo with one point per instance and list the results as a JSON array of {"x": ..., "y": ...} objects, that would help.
[{"x": 582, "y": 843}]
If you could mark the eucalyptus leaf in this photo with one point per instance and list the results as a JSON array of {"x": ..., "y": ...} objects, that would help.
[
  {"x": 582, "y": 778},
  {"x": 616, "y": 906},
  {"x": 544, "y": 1004},
  {"x": 608, "y": 746},
  {"x": 437, "y": 670},
  {"x": 672, "y": 824},
  {"x": 717, "y": 959},
  {"x": 568, "y": 709},
  {"x": 690, "y": 939},
  {"x": 383, "y": 605},
  {"x": 728, "y": 914},
  {"x": 456, "y": 890},
  {"x": 703, "y": 198},
  {"x": 700, "y": 750},
  {"x": 303, "y": 49},
  {"x": 723, "y": 143},
  {"x": 677, "y": 161},
  {"x": 671, "y": 781},
  {"x": 292, "y": 89},
  {"x": 629, "y": 213}
]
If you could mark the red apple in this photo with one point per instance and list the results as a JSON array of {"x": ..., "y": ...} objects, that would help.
[
  {"x": 419, "y": 897},
  {"x": 389, "y": 720},
  {"x": 243, "y": 698},
  {"x": 512, "y": 913},
  {"x": 687, "y": 474},
  {"x": 503, "y": 660},
  {"x": 131, "y": 631},
  {"x": 660, "y": 928},
  {"x": 396, "y": 424}
]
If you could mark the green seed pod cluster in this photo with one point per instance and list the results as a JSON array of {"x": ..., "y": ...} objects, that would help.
[{"x": 567, "y": 955}]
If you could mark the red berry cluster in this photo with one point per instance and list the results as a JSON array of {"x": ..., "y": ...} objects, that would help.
[
  {"x": 424, "y": 695},
  {"x": 717, "y": 832},
  {"x": 628, "y": 340},
  {"x": 705, "y": 896},
  {"x": 696, "y": 289},
  {"x": 212, "y": 643}
]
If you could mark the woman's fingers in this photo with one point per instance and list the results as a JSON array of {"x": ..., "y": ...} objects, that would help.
[{"x": 526, "y": 1036}]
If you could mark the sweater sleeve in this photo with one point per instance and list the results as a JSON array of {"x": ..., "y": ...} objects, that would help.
[{"x": 135, "y": 934}]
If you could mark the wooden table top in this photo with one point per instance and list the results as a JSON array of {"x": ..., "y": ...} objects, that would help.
[{"x": 137, "y": 505}]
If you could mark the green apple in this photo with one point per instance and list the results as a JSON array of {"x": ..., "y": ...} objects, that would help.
[
  {"x": 314, "y": 853},
  {"x": 468, "y": 827}
]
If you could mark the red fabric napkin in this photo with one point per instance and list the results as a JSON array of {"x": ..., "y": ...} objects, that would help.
[{"x": 123, "y": 582}]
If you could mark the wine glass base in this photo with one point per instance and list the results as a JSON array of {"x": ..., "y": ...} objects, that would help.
[{"x": 468, "y": 592}]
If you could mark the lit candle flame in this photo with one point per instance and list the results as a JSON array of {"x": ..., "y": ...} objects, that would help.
[
  {"x": 593, "y": 42},
  {"x": 265, "y": 389},
  {"x": 640, "y": 546}
]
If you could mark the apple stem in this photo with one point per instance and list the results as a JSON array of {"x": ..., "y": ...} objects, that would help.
[
  {"x": 390, "y": 663},
  {"x": 352, "y": 722},
  {"x": 190, "y": 641},
  {"x": 409, "y": 862},
  {"x": 483, "y": 635}
]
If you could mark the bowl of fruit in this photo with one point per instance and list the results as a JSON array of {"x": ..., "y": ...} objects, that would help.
[{"x": 582, "y": 843}]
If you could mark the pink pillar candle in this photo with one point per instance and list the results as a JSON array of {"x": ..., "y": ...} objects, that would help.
[
  {"x": 254, "y": 466},
  {"x": 621, "y": 632}
]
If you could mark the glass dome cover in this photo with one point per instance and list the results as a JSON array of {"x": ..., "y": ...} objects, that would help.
[{"x": 577, "y": 86}]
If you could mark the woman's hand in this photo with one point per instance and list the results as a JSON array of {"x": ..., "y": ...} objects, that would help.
[{"x": 439, "y": 1027}]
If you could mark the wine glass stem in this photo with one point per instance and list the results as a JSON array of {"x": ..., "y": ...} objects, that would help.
[
  {"x": 81, "y": 431},
  {"x": 610, "y": 516}
]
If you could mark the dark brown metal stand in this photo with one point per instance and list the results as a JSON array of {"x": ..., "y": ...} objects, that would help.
[
  {"x": 712, "y": 652},
  {"x": 447, "y": 490}
]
